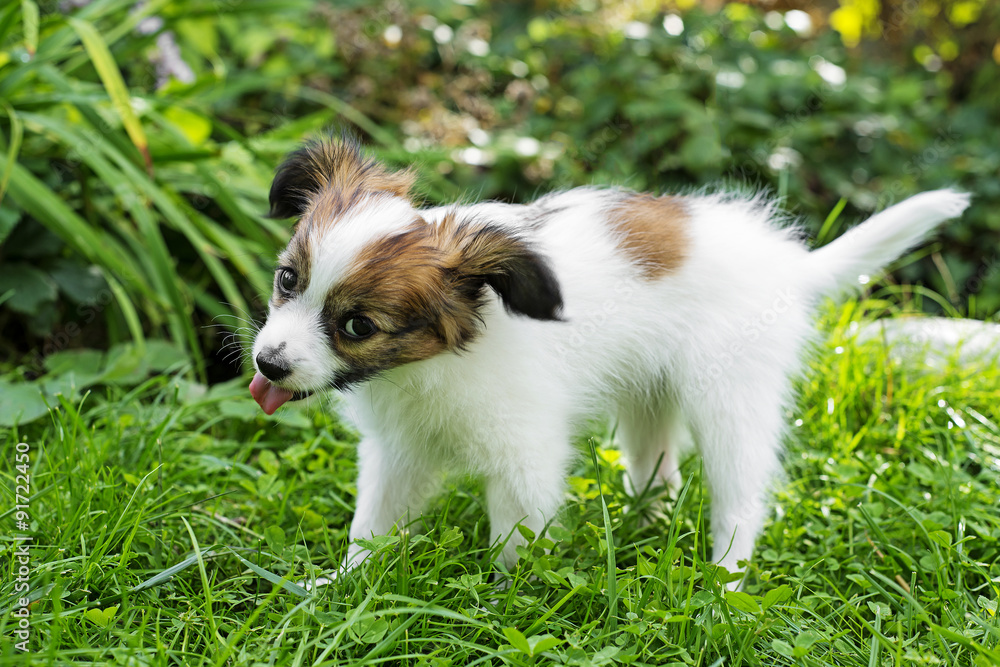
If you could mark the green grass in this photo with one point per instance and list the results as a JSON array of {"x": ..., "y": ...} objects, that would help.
[{"x": 884, "y": 551}]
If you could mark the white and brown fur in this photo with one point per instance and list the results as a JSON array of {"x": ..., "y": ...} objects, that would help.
[{"x": 499, "y": 330}]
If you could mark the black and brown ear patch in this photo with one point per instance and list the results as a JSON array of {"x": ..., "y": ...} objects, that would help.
[
  {"x": 653, "y": 232},
  {"x": 426, "y": 283},
  {"x": 337, "y": 168},
  {"x": 487, "y": 254}
]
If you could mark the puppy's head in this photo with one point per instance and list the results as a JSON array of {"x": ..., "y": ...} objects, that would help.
[{"x": 366, "y": 284}]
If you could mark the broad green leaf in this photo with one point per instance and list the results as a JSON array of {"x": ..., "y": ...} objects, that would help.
[
  {"x": 39, "y": 201},
  {"x": 31, "y": 287},
  {"x": 162, "y": 355},
  {"x": 543, "y": 643},
  {"x": 81, "y": 283},
  {"x": 127, "y": 364},
  {"x": 101, "y": 617},
  {"x": 880, "y": 609},
  {"x": 777, "y": 596},
  {"x": 517, "y": 640},
  {"x": 370, "y": 630},
  {"x": 941, "y": 537},
  {"x": 742, "y": 601},
  {"x": 782, "y": 648},
  {"x": 451, "y": 537},
  {"x": 194, "y": 126},
  {"x": 79, "y": 361},
  {"x": 987, "y": 604},
  {"x": 275, "y": 538},
  {"x": 378, "y": 542},
  {"x": 20, "y": 403},
  {"x": 606, "y": 655},
  {"x": 68, "y": 385}
]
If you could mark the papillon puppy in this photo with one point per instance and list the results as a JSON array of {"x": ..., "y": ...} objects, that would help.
[{"x": 482, "y": 338}]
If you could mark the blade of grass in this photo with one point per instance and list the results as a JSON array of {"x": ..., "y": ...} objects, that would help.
[
  {"x": 612, "y": 595},
  {"x": 101, "y": 11},
  {"x": 206, "y": 585},
  {"x": 29, "y": 13},
  {"x": 275, "y": 579},
  {"x": 128, "y": 311},
  {"x": 221, "y": 194},
  {"x": 16, "y": 134},
  {"x": 827, "y": 227},
  {"x": 169, "y": 204},
  {"x": 235, "y": 637},
  {"x": 8, "y": 18},
  {"x": 114, "y": 84},
  {"x": 167, "y": 574}
]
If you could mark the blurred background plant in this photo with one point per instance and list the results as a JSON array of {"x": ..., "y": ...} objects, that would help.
[{"x": 137, "y": 139}]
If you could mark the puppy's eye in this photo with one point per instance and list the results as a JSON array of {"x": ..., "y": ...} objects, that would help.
[
  {"x": 359, "y": 327},
  {"x": 287, "y": 279}
]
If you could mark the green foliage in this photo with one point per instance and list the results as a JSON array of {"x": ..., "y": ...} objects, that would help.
[{"x": 171, "y": 526}]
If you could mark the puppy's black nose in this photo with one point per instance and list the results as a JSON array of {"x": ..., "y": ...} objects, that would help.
[{"x": 272, "y": 365}]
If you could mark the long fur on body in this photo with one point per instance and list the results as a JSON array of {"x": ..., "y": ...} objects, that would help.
[{"x": 482, "y": 337}]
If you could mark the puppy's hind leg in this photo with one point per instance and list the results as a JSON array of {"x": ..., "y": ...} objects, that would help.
[
  {"x": 651, "y": 437},
  {"x": 739, "y": 430}
]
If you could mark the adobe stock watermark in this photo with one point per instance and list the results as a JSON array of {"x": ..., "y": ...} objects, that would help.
[
  {"x": 775, "y": 153},
  {"x": 583, "y": 327},
  {"x": 988, "y": 268},
  {"x": 21, "y": 565},
  {"x": 86, "y": 313},
  {"x": 590, "y": 150},
  {"x": 915, "y": 167},
  {"x": 750, "y": 331}
]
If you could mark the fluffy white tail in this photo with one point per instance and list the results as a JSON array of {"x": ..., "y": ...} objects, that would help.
[{"x": 869, "y": 247}]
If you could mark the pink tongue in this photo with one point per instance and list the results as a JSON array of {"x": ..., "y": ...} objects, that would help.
[{"x": 269, "y": 397}]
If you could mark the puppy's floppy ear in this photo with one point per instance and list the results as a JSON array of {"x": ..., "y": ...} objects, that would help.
[
  {"x": 338, "y": 164},
  {"x": 295, "y": 180},
  {"x": 491, "y": 255}
]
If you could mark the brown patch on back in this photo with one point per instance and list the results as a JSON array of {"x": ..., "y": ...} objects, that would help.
[{"x": 653, "y": 232}]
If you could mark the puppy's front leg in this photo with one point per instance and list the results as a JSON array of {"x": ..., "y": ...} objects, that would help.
[
  {"x": 526, "y": 486},
  {"x": 393, "y": 488}
]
